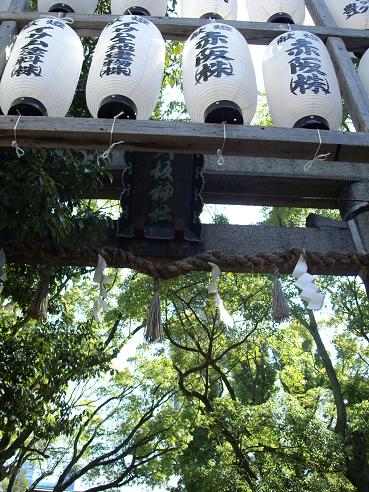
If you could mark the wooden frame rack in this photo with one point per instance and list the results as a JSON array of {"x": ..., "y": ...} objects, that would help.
[{"x": 264, "y": 167}]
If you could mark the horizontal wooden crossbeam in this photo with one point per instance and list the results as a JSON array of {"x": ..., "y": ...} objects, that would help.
[
  {"x": 175, "y": 28},
  {"x": 164, "y": 136},
  {"x": 261, "y": 181},
  {"x": 252, "y": 249}
]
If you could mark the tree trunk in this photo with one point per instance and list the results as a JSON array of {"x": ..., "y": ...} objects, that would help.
[
  {"x": 331, "y": 373},
  {"x": 357, "y": 465}
]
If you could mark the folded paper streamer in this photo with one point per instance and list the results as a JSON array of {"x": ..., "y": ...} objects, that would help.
[
  {"x": 101, "y": 279},
  {"x": 224, "y": 315},
  {"x": 2, "y": 269},
  {"x": 306, "y": 283}
]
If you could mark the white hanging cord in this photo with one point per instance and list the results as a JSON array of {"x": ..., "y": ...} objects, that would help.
[
  {"x": 106, "y": 152},
  {"x": 283, "y": 28},
  {"x": 67, "y": 20},
  {"x": 317, "y": 156},
  {"x": 220, "y": 160},
  {"x": 18, "y": 150}
]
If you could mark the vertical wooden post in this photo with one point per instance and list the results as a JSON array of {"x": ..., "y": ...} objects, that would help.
[
  {"x": 353, "y": 92},
  {"x": 357, "y": 103},
  {"x": 9, "y": 29}
]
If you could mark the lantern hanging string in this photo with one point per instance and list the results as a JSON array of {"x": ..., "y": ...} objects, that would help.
[
  {"x": 18, "y": 150},
  {"x": 317, "y": 156},
  {"x": 220, "y": 151},
  {"x": 112, "y": 144},
  {"x": 283, "y": 27},
  {"x": 67, "y": 20}
]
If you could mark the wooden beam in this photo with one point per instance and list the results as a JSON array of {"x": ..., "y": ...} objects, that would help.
[
  {"x": 253, "y": 249},
  {"x": 320, "y": 13},
  {"x": 258, "y": 181},
  {"x": 177, "y": 28},
  {"x": 165, "y": 136}
]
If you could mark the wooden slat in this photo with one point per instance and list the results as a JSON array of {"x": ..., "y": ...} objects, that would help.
[
  {"x": 259, "y": 33},
  {"x": 153, "y": 136},
  {"x": 229, "y": 243}
]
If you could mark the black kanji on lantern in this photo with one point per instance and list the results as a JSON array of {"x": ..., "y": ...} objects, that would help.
[
  {"x": 305, "y": 65},
  {"x": 161, "y": 197},
  {"x": 356, "y": 8},
  {"x": 121, "y": 51},
  {"x": 212, "y": 58},
  {"x": 31, "y": 55}
]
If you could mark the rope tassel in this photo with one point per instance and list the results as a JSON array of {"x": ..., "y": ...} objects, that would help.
[
  {"x": 40, "y": 302},
  {"x": 280, "y": 308},
  {"x": 154, "y": 328}
]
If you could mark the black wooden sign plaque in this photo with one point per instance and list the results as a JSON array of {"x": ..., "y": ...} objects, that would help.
[{"x": 161, "y": 197}]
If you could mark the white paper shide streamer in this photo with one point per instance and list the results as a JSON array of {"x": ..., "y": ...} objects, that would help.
[
  {"x": 154, "y": 8},
  {"x": 43, "y": 69},
  {"x": 71, "y": 6},
  {"x": 306, "y": 283},
  {"x": 278, "y": 11},
  {"x": 102, "y": 280},
  {"x": 219, "y": 82},
  {"x": 350, "y": 14},
  {"x": 2, "y": 269},
  {"x": 214, "y": 9},
  {"x": 126, "y": 70},
  {"x": 300, "y": 83},
  {"x": 224, "y": 315}
]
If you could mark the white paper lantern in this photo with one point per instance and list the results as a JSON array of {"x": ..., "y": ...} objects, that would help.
[
  {"x": 214, "y": 9},
  {"x": 72, "y": 6},
  {"x": 350, "y": 14},
  {"x": 363, "y": 71},
  {"x": 41, "y": 76},
  {"x": 279, "y": 11},
  {"x": 300, "y": 82},
  {"x": 126, "y": 70},
  {"x": 219, "y": 81},
  {"x": 154, "y": 8}
]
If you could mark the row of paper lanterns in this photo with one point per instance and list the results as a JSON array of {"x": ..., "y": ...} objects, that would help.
[
  {"x": 126, "y": 73},
  {"x": 290, "y": 11},
  {"x": 348, "y": 14}
]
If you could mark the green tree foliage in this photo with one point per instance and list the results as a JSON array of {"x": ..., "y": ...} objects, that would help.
[{"x": 253, "y": 407}]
